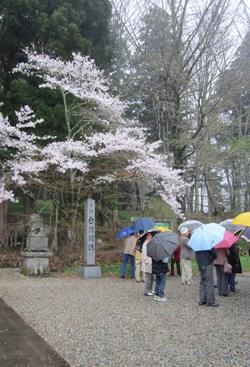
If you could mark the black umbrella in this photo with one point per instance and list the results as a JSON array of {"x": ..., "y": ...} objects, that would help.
[{"x": 162, "y": 245}]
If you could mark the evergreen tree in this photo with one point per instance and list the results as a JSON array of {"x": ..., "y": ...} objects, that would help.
[{"x": 58, "y": 28}]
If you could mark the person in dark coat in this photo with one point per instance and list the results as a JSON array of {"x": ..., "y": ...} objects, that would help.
[
  {"x": 160, "y": 269},
  {"x": 234, "y": 261},
  {"x": 205, "y": 264},
  {"x": 222, "y": 278}
]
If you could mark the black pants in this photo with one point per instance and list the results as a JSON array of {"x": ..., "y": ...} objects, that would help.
[
  {"x": 207, "y": 294},
  {"x": 222, "y": 280}
]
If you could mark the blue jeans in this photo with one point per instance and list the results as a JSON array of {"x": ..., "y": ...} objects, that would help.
[
  {"x": 160, "y": 283},
  {"x": 125, "y": 259},
  {"x": 231, "y": 281}
]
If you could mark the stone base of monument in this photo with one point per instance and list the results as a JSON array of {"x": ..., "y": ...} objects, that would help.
[
  {"x": 90, "y": 271},
  {"x": 36, "y": 263}
]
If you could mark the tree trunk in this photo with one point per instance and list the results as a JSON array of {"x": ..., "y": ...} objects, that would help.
[
  {"x": 247, "y": 188},
  {"x": 237, "y": 184},
  {"x": 54, "y": 245},
  {"x": 197, "y": 185},
  {"x": 3, "y": 223},
  {"x": 116, "y": 221},
  {"x": 140, "y": 197},
  {"x": 28, "y": 204},
  {"x": 215, "y": 208}
]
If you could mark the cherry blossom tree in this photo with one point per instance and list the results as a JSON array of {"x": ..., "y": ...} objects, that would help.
[
  {"x": 120, "y": 142},
  {"x": 16, "y": 144}
]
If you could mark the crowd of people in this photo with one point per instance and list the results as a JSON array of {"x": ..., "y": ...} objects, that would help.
[{"x": 143, "y": 268}]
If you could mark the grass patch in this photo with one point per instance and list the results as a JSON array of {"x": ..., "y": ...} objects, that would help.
[
  {"x": 245, "y": 263},
  {"x": 107, "y": 270},
  {"x": 113, "y": 270},
  {"x": 71, "y": 270},
  {"x": 243, "y": 246},
  {"x": 195, "y": 268}
]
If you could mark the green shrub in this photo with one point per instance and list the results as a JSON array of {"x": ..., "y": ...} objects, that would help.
[{"x": 16, "y": 207}]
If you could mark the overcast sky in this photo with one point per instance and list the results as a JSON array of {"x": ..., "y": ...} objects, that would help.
[{"x": 134, "y": 8}]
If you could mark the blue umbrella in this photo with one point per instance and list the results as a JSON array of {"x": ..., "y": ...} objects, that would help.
[
  {"x": 142, "y": 225},
  {"x": 124, "y": 232},
  {"x": 206, "y": 237}
]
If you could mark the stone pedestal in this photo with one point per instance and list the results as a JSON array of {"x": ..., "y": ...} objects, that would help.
[
  {"x": 35, "y": 262},
  {"x": 37, "y": 243},
  {"x": 93, "y": 271}
]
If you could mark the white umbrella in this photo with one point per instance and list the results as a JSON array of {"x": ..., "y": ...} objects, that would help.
[
  {"x": 190, "y": 224},
  {"x": 230, "y": 227}
]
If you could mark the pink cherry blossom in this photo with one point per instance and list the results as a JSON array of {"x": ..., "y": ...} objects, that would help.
[{"x": 121, "y": 137}]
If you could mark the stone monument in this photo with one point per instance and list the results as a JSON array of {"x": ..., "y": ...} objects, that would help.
[
  {"x": 90, "y": 269},
  {"x": 36, "y": 254}
]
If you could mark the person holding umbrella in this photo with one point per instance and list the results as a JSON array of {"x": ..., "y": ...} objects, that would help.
[
  {"x": 139, "y": 274},
  {"x": 160, "y": 270},
  {"x": 147, "y": 267},
  {"x": 203, "y": 241},
  {"x": 142, "y": 242},
  {"x": 222, "y": 277},
  {"x": 129, "y": 255},
  {"x": 175, "y": 259},
  {"x": 226, "y": 257},
  {"x": 234, "y": 261},
  {"x": 160, "y": 248},
  {"x": 186, "y": 256},
  {"x": 205, "y": 260}
]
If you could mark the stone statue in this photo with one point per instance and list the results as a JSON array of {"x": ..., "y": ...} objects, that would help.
[
  {"x": 36, "y": 254},
  {"x": 37, "y": 238}
]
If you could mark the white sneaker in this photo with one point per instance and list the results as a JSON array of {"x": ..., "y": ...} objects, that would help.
[
  {"x": 160, "y": 299},
  {"x": 149, "y": 294},
  {"x": 156, "y": 298}
]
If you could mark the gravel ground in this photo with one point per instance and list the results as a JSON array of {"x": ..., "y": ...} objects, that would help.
[{"x": 108, "y": 322}]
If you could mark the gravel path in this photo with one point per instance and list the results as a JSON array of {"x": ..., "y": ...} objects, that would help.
[{"x": 108, "y": 322}]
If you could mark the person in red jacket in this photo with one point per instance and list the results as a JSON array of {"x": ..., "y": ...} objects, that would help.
[{"x": 175, "y": 259}]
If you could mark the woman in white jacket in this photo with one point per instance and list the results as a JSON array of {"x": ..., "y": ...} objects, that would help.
[{"x": 146, "y": 267}]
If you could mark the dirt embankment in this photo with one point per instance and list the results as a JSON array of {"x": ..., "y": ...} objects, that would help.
[{"x": 107, "y": 254}]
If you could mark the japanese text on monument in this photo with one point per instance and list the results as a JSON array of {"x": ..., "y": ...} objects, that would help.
[{"x": 90, "y": 232}]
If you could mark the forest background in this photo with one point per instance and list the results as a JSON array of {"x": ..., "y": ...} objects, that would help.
[{"x": 182, "y": 67}]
